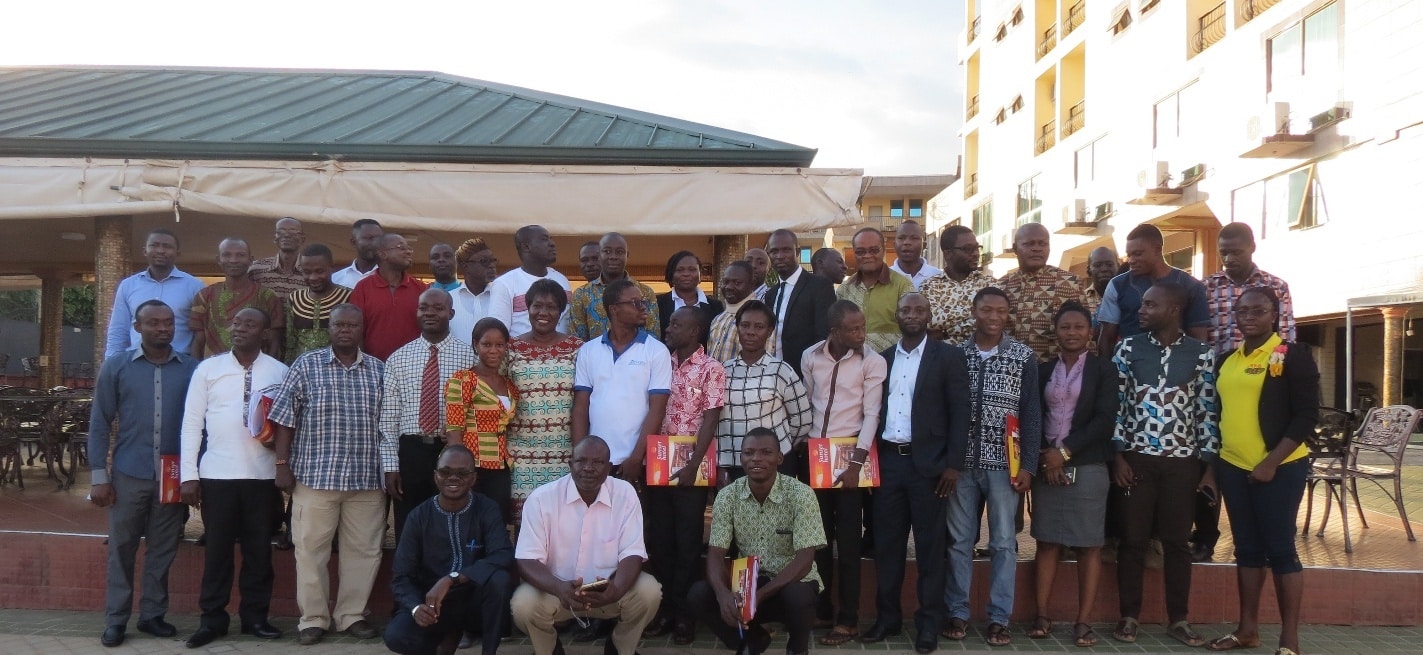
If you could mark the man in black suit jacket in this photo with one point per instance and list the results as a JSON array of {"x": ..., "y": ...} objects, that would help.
[
  {"x": 923, "y": 437},
  {"x": 801, "y": 301}
]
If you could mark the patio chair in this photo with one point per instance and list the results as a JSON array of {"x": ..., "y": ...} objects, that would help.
[
  {"x": 66, "y": 432},
  {"x": 22, "y": 421},
  {"x": 1328, "y": 448},
  {"x": 1385, "y": 431}
]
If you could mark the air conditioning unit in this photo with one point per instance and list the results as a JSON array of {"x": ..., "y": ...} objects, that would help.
[
  {"x": 1324, "y": 119},
  {"x": 1104, "y": 211},
  {"x": 1075, "y": 211},
  {"x": 1273, "y": 119},
  {"x": 1154, "y": 177},
  {"x": 1192, "y": 174}
]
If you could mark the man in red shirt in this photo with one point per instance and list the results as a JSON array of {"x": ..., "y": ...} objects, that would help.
[{"x": 389, "y": 299}]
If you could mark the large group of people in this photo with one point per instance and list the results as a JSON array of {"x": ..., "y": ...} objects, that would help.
[{"x": 505, "y": 419}]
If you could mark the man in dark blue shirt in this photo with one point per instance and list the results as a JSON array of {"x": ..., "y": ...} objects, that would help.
[
  {"x": 1121, "y": 300},
  {"x": 451, "y": 570},
  {"x": 145, "y": 388}
]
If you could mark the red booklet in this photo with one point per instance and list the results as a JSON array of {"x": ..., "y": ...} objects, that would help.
[
  {"x": 744, "y": 581},
  {"x": 170, "y": 480},
  {"x": 831, "y": 456},
  {"x": 666, "y": 455}
]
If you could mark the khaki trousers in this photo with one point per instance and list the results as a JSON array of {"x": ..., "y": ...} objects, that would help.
[
  {"x": 316, "y": 517},
  {"x": 535, "y": 612}
]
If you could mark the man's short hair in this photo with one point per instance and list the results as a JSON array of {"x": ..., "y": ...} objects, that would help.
[
  {"x": 839, "y": 310},
  {"x": 164, "y": 231},
  {"x": 1239, "y": 231},
  {"x": 781, "y": 232},
  {"x": 1175, "y": 293},
  {"x": 818, "y": 258},
  {"x": 950, "y": 236},
  {"x": 356, "y": 227},
  {"x": 347, "y": 307},
  {"x": 697, "y": 323},
  {"x": 266, "y": 318},
  {"x": 743, "y": 265},
  {"x": 760, "y": 432},
  {"x": 990, "y": 291},
  {"x": 867, "y": 230},
  {"x": 150, "y": 303},
  {"x": 318, "y": 250},
  {"x": 458, "y": 449},
  {"x": 613, "y": 291},
  {"x": 522, "y": 235},
  {"x": 1148, "y": 233},
  {"x": 595, "y": 244}
]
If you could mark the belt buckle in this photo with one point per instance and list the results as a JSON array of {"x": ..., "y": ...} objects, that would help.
[{"x": 902, "y": 448}]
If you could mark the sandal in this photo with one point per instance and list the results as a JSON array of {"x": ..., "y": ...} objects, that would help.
[
  {"x": 998, "y": 635},
  {"x": 839, "y": 635},
  {"x": 1126, "y": 631},
  {"x": 1232, "y": 642},
  {"x": 1084, "y": 636},
  {"x": 957, "y": 630},
  {"x": 1042, "y": 627},
  {"x": 1182, "y": 632},
  {"x": 1284, "y": 651}
]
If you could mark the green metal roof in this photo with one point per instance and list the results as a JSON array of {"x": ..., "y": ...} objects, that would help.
[{"x": 192, "y": 113}]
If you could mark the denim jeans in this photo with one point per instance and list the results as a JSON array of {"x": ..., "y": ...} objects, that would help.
[
  {"x": 1262, "y": 515},
  {"x": 1002, "y": 501}
]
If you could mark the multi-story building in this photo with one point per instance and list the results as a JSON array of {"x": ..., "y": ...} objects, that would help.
[
  {"x": 1302, "y": 118},
  {"x": 885, "y": 201}
]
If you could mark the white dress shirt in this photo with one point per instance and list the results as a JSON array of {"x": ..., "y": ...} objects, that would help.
[
  {"x": 469, "y": 308},
  {"x": 783, "y": 300},
  {"x": 220, "y": 397},
  {"x": 926, "y": 271},
  {"x": 349, "y": 276},
  {"x": 899, "y": 406}
]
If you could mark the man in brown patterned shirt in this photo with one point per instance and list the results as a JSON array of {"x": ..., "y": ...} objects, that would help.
[
  {"x": 1036, "y": 290},
  {"x": 279, "y": 272},
  {"x": 950, "y": 293}
]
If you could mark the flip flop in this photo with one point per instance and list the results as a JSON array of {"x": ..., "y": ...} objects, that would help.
[
  {"x": 1126, "y": 631},
  {"x": 1084, "y": 636},
  {"x": 1231, "y": 642},
  {"x": 998, "y": 635},
  {"x": 957, "y": 630},
  {"x": 1042, "y": 627},
  {"x": 839, "y": 635},
  {"x": 1182, "y": 632}
]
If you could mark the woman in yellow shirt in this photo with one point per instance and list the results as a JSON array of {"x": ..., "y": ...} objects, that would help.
[{"x": 1269, "y": 404}]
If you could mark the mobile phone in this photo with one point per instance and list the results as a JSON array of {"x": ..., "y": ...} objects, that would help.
[
  {"x": 596, "y": 585},
  {"x": 1209, "y": 494},
  {"x": 1071, "y": 473}
]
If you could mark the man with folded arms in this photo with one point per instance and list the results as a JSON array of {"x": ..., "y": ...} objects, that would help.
[
  {"x": 583, "y": 528},
  {"x": 146, "y": 388},
  {"x": 775, "y": 518},
  {"x": 328, "y": 445}
]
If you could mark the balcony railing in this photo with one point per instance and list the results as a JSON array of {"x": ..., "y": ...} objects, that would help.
[
  {"x": 1076, "y": 118},
  {"x": 1047, "y": 138},
  {"x": 972, "y": 108},
  {"x": 1049, "y": 41},
  {"x": 1212, "y": 28},
  {"x": 1252, "y": 8},
  {"x": 970, "y": 186},
  {"x": 975, "y": 28},
  {"x": 1075, "y": 16}
]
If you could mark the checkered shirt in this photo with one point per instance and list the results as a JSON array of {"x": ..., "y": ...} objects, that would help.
[
  {"x": 1222, "y": 292},
  {"x": 335, "y": 410},
  {"x": 767, "y": 394}
]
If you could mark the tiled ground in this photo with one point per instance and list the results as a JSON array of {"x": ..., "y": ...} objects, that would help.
[{"x": 25, "y": 632}]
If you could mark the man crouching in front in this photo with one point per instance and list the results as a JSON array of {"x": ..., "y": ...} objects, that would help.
[{"x": 580, "y": 554}]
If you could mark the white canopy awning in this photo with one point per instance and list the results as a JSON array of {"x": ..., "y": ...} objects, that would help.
[{"x": 635, "y": 200}]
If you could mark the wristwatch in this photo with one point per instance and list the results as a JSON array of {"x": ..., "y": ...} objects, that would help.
[{"x": 454, "y": 577}]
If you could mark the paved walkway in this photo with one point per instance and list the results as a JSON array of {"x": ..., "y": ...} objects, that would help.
[{"x": 28, "y": 632}]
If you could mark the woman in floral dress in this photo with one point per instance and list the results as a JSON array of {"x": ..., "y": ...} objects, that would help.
[{"x": 541, "y": 368}]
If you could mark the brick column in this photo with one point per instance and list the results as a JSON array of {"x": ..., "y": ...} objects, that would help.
[
  {"x": 112, "y": 263},
  {"x": 1392, "y": 355},
  {"x": 51, "y": 324},
  {"x": 725, "y": 249}
]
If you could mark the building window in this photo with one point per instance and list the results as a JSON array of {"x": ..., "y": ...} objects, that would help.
[
  {"x": 1294, "y": 200},
  {"x": 1174, "y": 122},
  {"x": 1085, "y": 164},
  {"x": 896, "y": 209},
  {"x": 1303, "y": 62},
  {"x": 805, "y": 256},
  {"x": 876, "y": 211},
  {"x": 1247, "y": 205},
  {"x": 1017, "y": 15},
  {"x": 1029, "y": 204},
  {"x": 983, "y": 218},
  {"x": 916, "y": 208},
  {"x": 1000, "y": 117},
  {"x": 1017, "y": 105},
  {"x": 1121, "y": 18}
]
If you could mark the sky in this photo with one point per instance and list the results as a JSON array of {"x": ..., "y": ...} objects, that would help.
[{"x": 871, "y": 84}]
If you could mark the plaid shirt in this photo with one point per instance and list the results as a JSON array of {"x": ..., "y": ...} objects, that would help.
[
  {"x": 400, "y": 406},
  {"x": 1168, "y": 398},
  {"x": 335, "y": 410},
  {"x": 951, "y": 303},
  {"x": 767, "y": 394},
  {"x": 698, "y": 384},
  {"x": 1033, "y": 298},
  {"x": 1222, "y": 292}
]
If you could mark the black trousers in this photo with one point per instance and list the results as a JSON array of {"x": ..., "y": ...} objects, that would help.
[
  {"x": 841, "y": 517},
  {"x": 417, "y": 475},
  {"x": 793, "y": 606},
  {"x": 905, "y": 500},
  {"x": 496, "y": 484},
  {"x": 466, "y": 608},
  {"x": 675, "y": 521},
  {"x": 1162, "y": 501},
  {"x": 1207, "y": 523},
  {"x": 237, "y": 513}
]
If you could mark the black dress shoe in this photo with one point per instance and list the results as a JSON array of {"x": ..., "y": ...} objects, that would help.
[
  {"x": 113, "y": 636},
  {"x": 157, "y": 627},
  {"x": 927, "y": 642},
  {"x": 204, "y": 636},
  {"x": 879, "y": 632},
  {"x": 261, "y": 630}
]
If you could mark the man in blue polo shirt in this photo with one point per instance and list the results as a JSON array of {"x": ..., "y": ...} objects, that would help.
[
  {"x": 622, "y": 382},
  {"x": 1121, "y": 300}
]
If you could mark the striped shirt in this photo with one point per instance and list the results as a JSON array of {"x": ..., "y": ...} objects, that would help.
[
  {"x": 404, "y": 370},
  {"x": 767, "y": 394},
  {"x": 335, "y": 411}
]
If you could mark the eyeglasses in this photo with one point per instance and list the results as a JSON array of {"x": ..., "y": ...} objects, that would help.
[
  {"x": 1253, "y": 313},
  {"x": 640, "y": 304},
  {"x": 484, "y": 261},
  {"x": 455, "y": 474},
  {"x": 869, "y": 252}
]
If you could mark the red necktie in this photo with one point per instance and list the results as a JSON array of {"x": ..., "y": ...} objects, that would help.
[{"x": 430, "y": 393}]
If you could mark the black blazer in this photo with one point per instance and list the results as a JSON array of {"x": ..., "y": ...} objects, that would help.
[
  {"x": 1094, "y": 418},
  {"x": 1289, "y": 404},
  {"x": 939, "y": 413},
  {"x": 709, "y": 311},
  {"x": 807, "y": 319}
]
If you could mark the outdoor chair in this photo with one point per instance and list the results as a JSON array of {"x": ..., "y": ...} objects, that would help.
[
  {"x": 22, "y": 416},
  {"x": 1386, "y": 431},
  {"x": 66, "y": 432},
  {"x": 1328, "y": 450}
]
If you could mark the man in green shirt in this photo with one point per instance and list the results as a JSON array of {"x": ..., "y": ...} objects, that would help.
[
  {"x": 876, "y": 289},
  {"x": 775, "y": 518}
]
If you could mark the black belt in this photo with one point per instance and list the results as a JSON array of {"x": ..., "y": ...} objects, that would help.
[
  {"x": 893, "y": 448},
  {"x": 426, "y": 439}
]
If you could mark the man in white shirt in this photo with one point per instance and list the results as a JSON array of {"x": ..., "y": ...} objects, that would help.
[
  {"x": 582, "y": 528},
  {"x": 909, "y": 253},
  {"x": 366, "y": 237},
  {"x": 622, "y": 381},
  {"x": 228, "y": 473},
  {"x": 478, "y": 267},
  {"x": 537, "y": 253}
]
